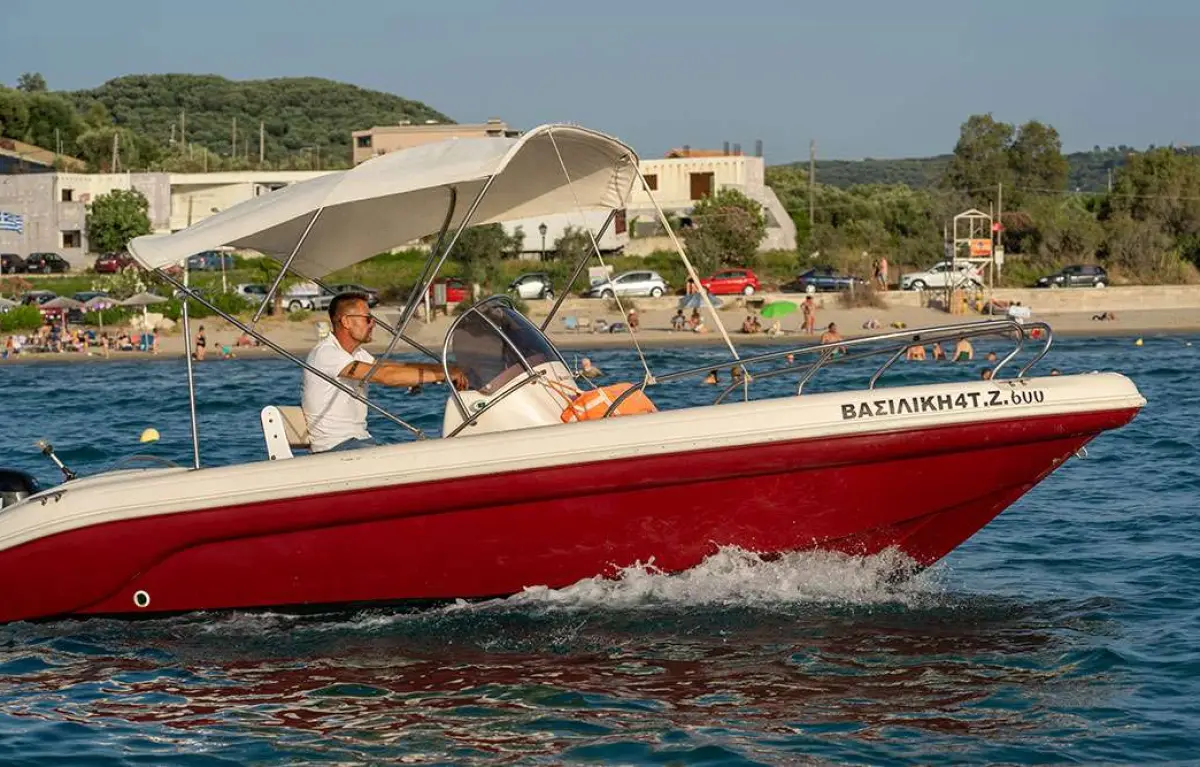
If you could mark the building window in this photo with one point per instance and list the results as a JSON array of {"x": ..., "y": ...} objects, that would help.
[
  {"x": 68, "y": 195},
  {"x": 702, "y": 185},
  {"x": 651, "y": 181},
  {"x": 364, "y": 142},
  {"x": 72, "y": 239}
]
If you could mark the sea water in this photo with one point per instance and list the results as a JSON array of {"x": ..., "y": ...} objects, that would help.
[{"x": 1065, "y": 631}]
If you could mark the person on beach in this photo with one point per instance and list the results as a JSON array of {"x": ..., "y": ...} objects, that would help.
[
  {"x": 201, "y": 344},
  {"x": 810, "y": 315},
  {"x": 678, "y": 322},
  {"x": 939, "y": 353},
  {"x": 916, "y": 353},
  {"x": 985, "y": 374},
  {"x": 883, "y": 273},
  {"x": 337, "y": 421},
  {"x": 712, "y": 378}
]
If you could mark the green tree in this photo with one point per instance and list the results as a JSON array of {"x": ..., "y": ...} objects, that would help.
[
  {"x": 31, "y": 82},
  {"x": 480, "y": 250},
  {"x": 727, "y": 228},
  {"x": 981, "y": 159},
  {"x": 52, "y": 119},
  {"x": 570, "y": 247},
  {"x": 115, "y": 218},
  {"x": 1036, "y": 159},
  {"x": 14, "y": 114}
]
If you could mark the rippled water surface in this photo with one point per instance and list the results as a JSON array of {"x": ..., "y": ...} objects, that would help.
[{"x": 1063, "y": 632}]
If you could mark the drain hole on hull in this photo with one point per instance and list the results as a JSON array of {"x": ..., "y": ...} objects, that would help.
[{"x": 141, "y": 599}]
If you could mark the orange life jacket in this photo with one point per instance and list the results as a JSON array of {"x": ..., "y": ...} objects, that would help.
[{"x": 594, "y": 403}]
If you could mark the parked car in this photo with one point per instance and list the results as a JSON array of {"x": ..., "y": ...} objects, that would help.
[
  {"x": 532, "y": 285},
  {"x": 46, "y": 263},
  {"x": 111, "y": 263},
  {"x": 39, "y": 297},
  {"x": 636, "y": 283},
  {"x": 1076, "y": 276},
  {"x": 351, "y": 287},
  {"x": 942, "y": 275},
  {"x": 822, "y": 279},
  {"x": 210, "y": 261},
  {"x": 11, "y": 263},
  {"x": 731, "y": 282},
  {"x": 456, "y": 289}
]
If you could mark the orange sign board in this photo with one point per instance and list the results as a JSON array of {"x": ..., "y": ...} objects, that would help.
[{"x": 981, "y": 247}]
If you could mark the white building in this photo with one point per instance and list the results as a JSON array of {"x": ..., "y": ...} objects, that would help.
[
  {"x": 686, "y": 176},
  {"x": 54, "y": 205}
]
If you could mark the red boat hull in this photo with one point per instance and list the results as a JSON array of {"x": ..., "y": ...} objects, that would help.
[{"x": 923, "y": 491}]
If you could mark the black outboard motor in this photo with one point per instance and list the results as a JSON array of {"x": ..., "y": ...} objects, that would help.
[{"x": 15, "y": 486}]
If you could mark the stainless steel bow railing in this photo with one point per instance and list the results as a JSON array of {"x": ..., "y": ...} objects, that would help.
[{"x": 894, "y": 343}]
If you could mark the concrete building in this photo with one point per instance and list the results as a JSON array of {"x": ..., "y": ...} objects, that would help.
[
  {"x": 685, "y": 176},
  {"x": 196, "y": 196},
  {"x": 388, "y": 138},
  {"x": 53, "y": 207}
]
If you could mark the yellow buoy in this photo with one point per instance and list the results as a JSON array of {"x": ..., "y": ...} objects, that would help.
[
  {"x": 1137, "y": 342},
  {"x": 149, "y": 435}
]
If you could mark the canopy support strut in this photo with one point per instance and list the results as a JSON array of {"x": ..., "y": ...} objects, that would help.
[
  {"x": 191, "y": 377},
  {"x": 279, "y": 277},
  {"x": 566, "y": 289},
  {"x": 426, "y": 274}
]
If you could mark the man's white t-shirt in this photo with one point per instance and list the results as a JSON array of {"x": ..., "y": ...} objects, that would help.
[{"x": 332, "y": 415}]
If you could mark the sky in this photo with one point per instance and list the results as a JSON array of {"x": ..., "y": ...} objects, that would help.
[{"x": 863, "y": 78}]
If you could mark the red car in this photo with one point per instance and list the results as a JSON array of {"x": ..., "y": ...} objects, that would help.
[
  {"x": 456, "y": 289},
  {"x": 111, "y": 263},
  {"x": 731, "y": 281}
]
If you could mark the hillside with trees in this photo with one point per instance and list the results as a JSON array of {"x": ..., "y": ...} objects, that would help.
[
  {"x": 1147, "y": 229},
  {"x": 1086, "y": 171},
  {"x": 195, "y": 122}
]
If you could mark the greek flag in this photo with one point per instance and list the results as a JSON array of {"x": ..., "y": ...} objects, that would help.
[{"x": 11, "y": 222}]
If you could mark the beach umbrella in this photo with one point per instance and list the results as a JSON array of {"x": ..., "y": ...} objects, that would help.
[
  {"x": 778, "y": 309},
  {"x": 696, "y": 301},
  {"x": 62, "y": 302},
  {"x": 98, "y": 304},
  {"x": 143, "y": 300}
]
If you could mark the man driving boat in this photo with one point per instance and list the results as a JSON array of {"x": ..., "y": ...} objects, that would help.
[{"x": 337, "y": 421}]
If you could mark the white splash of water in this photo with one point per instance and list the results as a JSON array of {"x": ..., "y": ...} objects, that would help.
[{"x": 733, "y": 576}]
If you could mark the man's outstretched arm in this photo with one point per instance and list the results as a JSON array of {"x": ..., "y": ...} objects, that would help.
[{"x": 403, "y": 373}]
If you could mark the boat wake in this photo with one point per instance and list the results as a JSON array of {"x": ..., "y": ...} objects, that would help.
[{"x": 735, "y": 577}]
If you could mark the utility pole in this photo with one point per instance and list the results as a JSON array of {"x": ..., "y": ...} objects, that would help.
[
  {"x": 233, "y": 140},
  {"x": 172, "y": 134},
  {"x": 58, "y": 142},
  {"x": 183, "y": 131},
  {"x": 812, "y": 177},
  {"x": 1000, "y": 221},
  {"x": 1110, "y": 179},
  {"x": 262, "y": 147},
  {"x": 116, "y": 153}
]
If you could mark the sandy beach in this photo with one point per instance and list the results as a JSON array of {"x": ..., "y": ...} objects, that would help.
[{"x": 298, "y": 337}]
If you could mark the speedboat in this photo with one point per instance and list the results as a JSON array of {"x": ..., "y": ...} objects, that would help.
[{"x": 537, "y": 478}]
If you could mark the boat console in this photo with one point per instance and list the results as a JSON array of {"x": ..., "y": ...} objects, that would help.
[{"x": 517, "y": 377}]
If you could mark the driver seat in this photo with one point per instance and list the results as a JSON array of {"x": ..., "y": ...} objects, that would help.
[{"x": 284, "y": 427}]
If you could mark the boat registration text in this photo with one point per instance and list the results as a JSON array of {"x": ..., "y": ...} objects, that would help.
[{"x": 936, "y": 403}]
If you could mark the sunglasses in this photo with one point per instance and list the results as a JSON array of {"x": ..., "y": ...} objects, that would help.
[{"x": 370, "y": 318}]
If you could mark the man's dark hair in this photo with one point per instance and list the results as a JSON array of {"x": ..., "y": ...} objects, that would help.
[{"x": 341, "y": 299}]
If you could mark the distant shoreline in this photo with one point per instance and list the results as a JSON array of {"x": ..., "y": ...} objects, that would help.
[{"x": 652, "y": 339}]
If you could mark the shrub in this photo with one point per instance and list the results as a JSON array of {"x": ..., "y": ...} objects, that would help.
[
  {"x": 862, "y": 297},
  {"x": 21, "y": 318},
  {"x": 302, "y": 315}
]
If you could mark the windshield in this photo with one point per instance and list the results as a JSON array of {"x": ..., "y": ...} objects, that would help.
[{"x": 483, "y": 355}]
